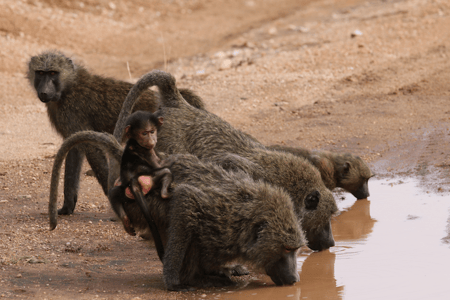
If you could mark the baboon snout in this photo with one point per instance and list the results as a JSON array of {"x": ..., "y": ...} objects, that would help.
[
  {"x": 362, "y": 192},
  {"x": 321, "y": 240},
  {"x": 44, "y": 97},
  {"x": 284, "y": 271}
]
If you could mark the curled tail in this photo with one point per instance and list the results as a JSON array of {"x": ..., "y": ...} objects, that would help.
[
  {"x": 104, "y": 141},
  {"x": 170, "y": 95}
]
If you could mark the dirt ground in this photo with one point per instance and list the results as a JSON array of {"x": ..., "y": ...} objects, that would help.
[{"x": 366, "y": 77}]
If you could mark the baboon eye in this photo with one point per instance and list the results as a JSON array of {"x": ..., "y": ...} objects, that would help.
[
  {"x": 152, "y": 132},
  {"x": 289, "y": 249},
  {"x": 312, "y": 200}
]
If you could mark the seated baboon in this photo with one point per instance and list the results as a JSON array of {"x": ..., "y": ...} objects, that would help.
[
  {"x": 342, "y": 170},
  {"x": 214, "y": 217},
  {"x": 201, "y": 133},
  {"x": 77, "y": 100}
]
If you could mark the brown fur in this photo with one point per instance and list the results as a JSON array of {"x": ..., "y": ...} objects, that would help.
[
  {"x": 190, "y": 130},
  {"x": 83, "y": 101},
  {"x": 214, "y": 217},
  {"x": 342, "y": 170}
]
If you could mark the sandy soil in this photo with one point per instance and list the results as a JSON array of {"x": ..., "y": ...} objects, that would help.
[{"x": 367, "y": 77}]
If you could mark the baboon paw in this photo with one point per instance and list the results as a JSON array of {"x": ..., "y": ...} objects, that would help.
[{"x": 65, "y": 211}]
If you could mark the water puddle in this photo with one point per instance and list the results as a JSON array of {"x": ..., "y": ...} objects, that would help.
[{"x": 394, "y": 246}]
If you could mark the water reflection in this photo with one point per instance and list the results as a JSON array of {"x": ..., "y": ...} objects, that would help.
[
  {"x": 317, "y": 277},
  {"x": 354, "y": 223}
]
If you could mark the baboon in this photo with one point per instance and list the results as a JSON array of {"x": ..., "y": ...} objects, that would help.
[
  {"x": 77, "y": 100},
  {"x": 214, "y": 217},
  {"x": 342, "y": 170},
  {"x": 140, "y": 159},
  {"x": 201, "y": 133}
]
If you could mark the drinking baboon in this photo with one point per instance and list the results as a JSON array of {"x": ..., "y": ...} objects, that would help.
[
  {"x": 77, "y": 100},
  {"x": 199, "y": 132},
  {"x": 214, "y": 217},
  {"x": 342, "y": 170}
]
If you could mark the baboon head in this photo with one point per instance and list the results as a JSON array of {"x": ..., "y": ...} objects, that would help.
[
  {"x": 353, "y": 175},
  {"x": 143, "y": 126},
  {"x": 320, "y": 236},
  {"x": 276, "y": 236},
  {"x": 50, "y": 73},
  {"x": 314, "y": 203}
]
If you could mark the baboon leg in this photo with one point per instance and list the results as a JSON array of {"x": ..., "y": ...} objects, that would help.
[
  {"x": 74, "y": 161},
  {"x": 166, "y": 179},
  {"x": 176, "y": 249},
  {"x": 99, "y": 164},
  {"x": 135, "y": 188}
]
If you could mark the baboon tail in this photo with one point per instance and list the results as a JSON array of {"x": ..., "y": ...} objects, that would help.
[
  {"x": 104, "y": 141},
  {"x": 170, "y": 95}
]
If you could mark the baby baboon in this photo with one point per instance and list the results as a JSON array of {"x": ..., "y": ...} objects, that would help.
[
  {"x": 77, "y": 100},
  {"x": 140, "y": 159},
  {"x": 214, "y": 217},
  {"x": 342, "y": 170},
  {"x": 190, "y": 130}
]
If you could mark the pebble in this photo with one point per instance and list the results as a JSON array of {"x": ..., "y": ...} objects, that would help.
[
  {"x": 273, "y": 31},
  {"x": 356, "y": 33},
  {"x": 226, "y": 64}
]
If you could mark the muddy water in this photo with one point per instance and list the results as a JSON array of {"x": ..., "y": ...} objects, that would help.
[{"x": 396, "y": 245}]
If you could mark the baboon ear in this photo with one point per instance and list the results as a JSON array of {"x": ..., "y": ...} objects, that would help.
[
  {"x": 127, "y": 131},
  {"x": 312, "y": 200},
  {"x": 160, "y": 121}
]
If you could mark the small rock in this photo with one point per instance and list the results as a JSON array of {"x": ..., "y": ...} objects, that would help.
[
  {"x": 19, "y": 276},
  {"x": 226, "y": 64},
  {"x": 356, "y": 33},
  {"x": 273, "y": 31},
  {"x": 292, "y": 27},
  {"x": 34, "y": 260},
  {"x": 220, "y": 54},
  {"x": 303, "y": 29}
]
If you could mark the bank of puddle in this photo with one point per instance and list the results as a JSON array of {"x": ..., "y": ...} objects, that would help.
[{"x": 396, "y": 245}]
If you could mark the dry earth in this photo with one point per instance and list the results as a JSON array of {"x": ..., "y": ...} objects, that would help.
[{"x": 367, "y": 77}]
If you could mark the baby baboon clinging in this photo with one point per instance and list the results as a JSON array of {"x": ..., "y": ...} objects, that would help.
[
  {"x": 77, "y": 100},
  {"x": 190, "y": 130},
  {"x": 214, "y": 217},
  {"x": 140, "y": 159},
  {"x": 342, "y": 170}
]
